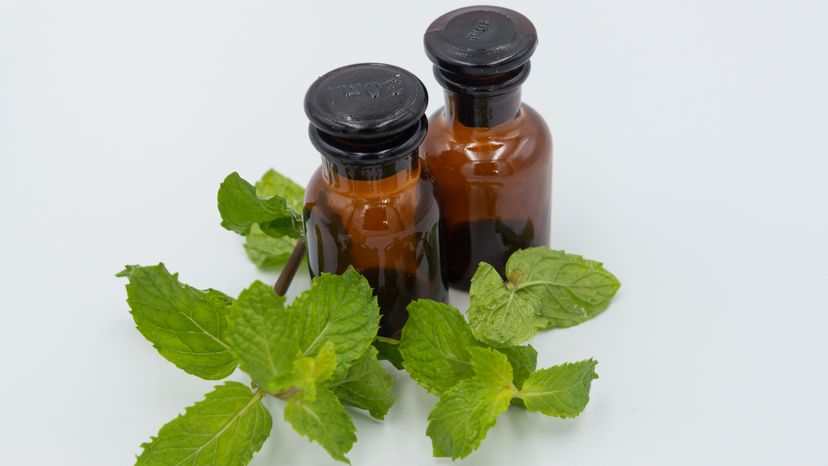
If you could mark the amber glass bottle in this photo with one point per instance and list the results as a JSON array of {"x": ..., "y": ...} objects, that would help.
[
  {"x": 490, "y": 154},
  {"x": 371, "y": 204}
]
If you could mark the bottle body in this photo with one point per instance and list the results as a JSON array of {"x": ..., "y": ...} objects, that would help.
[
  {"x": 386, "y": 228},
  {"x": 494, "y": 184}
]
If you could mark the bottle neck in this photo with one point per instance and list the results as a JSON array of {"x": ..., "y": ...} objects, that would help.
[
  {"x": 483, "y": 111},
  {"x": 375, "y": 180}
]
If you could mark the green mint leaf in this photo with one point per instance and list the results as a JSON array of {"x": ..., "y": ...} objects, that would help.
[
  {"x": 560, "y": 391},
  {"x": 338, "y": 308},
  {"x": 389, "y": 350},
  {"x": 524, "y": 361},
  {"x": 572, "y": 289},
  {"x": 274, "y": 183},
  {"x": 545, "y": 288},
  {"x": 323, "y": 420},
  {"x": 308, "y": 373},
  {"x": 434, "y": 346},
  {"x": 262, "y": 338},
  {"x": 367, "y": 385},
  {"x": 187, "y": 326},
  {"x": 499, "y": 315},
  {"x": 241, "y": 208},
  {"x": 463, "y": 416},
  {"x": 224, "y": 429},
  {"x": 266, "y": 251}
]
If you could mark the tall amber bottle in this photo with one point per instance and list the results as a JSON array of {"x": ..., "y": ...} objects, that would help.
[
  {"x": 370, "y": 204},
  {"x": 490, "y": 154}
]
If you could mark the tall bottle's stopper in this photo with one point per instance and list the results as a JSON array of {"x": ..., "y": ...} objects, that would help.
[{"x": 481, "y": 47}]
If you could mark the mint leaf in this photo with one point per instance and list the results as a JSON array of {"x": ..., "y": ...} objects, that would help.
[
  {"x": 224, "y": 429},
  {"x": 187, "y": 326},
  {"x": 241, "y": 208},
  {"x": 573, "y": 289},
  {"x": 323, "y": 420},
  {"x": 308, "y": 373},
  {"x": 561, "y": 391},
  {"x": 274, "y": 183},
  {"x": 434, "y": 346},
  {"x": 545, "y": 288},
  {"x": 262, "y": 338},
  {"x": 367, "y": 385},
  {"x": 463, "y": 416},
  {"x": 524, "y": 361},
  {"x": 499, "y": 315},
  {"x": 338, "y": 308},
  {"x": 266, "y": 251},
  {"x": 389, "y": 350}
]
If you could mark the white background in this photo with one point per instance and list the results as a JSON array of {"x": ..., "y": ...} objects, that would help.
[{"x": 691, "y": 146}]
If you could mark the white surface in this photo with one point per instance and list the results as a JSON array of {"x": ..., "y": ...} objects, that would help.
[{"x": 691, "y": 147}]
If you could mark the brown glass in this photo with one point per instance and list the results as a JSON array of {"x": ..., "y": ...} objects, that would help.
[
  {"x": 387, "y": 228},
  {"x": 491, "y": 157}
]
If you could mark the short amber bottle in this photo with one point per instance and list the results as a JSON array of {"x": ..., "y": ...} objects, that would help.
[
  {"x": 371, "y": 205},
  {"x": 490, "y": 154}
]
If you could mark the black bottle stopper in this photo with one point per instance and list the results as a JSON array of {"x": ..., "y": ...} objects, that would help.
[
  {"x": 366, "y": 117},
  {"x": 481, "y": 49}
]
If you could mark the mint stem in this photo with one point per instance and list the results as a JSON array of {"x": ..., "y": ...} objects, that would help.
[{"x": 288, "y": 272}]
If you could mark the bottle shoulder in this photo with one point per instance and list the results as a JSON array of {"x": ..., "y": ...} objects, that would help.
[
  {"x": 522, "y": 142},
  {"x": 419, "y": 191}
]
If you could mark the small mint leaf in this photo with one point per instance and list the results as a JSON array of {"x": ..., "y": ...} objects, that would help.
[
  {"x": 367, "y": 385},
  {"x": 560, "y": 391},
  {"x": 324, "y": 421},
  {"x": 241, "y": 208}
]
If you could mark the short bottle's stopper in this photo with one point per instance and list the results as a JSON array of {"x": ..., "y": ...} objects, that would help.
[
  {"x": 366, "y": 101},
  {"x": 367, "y": 119}
]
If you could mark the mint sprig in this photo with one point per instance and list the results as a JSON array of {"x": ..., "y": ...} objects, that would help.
[
  {"x": 476, "y": 383},
  {"x": 315, "y": 353},
  {"x": 268, "y": 215}
]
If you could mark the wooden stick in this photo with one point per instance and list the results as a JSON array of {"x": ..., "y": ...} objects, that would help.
[{"x": 292, "y": 264}]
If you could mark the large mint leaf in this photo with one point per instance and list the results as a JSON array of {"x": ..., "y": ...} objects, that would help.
[
  {"x": 544, "y": 288},
  {"x": 572, "y": 289},
  {"x": 463, "y": 416},
  {"x": 241, "y": 208},
  {"x": 337, "y": 308},
  {"x": 323, "y": 420},
  {"x": 561, "y": 391},
  {"x": 225, "y": 429},
  {"x": 498, "y": 314},
  {"x": 366, "y": 385},
  {"x": 262, "y": 338},
  {"x": 187, "y": 326},
  {"x": 434, "y": 346}
]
